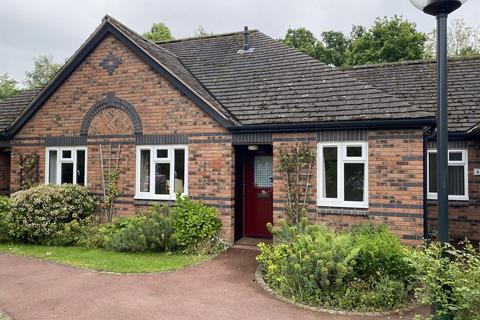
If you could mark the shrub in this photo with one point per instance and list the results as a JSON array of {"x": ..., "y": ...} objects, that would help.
[
  {"x": 149, "y": 231},
  {"x": 49, "y": 214},
  {"x": 459, "y": 271},
  {"x": 318, "y": 266},
  {"x": 4, "y": 210},
  {"x": 380, "y": 253},
  {"x": 193, "y": 221}
]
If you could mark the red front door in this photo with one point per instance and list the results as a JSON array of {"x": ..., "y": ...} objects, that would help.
[{"x": 258, "y": 195}]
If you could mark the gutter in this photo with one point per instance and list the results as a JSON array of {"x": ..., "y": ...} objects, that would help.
[{"x": 314, "y": 126}]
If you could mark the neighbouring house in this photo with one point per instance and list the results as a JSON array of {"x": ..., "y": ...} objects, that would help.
[{"x": 208, "y": 116}]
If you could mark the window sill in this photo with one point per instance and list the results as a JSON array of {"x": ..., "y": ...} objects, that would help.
[
  {"x": 336, "y": 211},
  {"x": 349, "y": 205},
  {"x": 153, "y": 198}
]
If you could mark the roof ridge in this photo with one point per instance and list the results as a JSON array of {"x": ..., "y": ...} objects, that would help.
[
  {"x": 210, "y": 36},
  {"x": 407, "y": 62}
]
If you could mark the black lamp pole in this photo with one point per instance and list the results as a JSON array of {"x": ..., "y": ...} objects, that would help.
[{"x": 441, "y": 9}]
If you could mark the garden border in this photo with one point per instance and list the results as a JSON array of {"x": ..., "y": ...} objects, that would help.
[
  {"x": 261, "y": 282},
  {"x": 111, "y": 272},
  {"x": 4, "y": 315}
]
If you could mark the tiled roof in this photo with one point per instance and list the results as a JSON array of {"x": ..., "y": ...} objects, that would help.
[
  {"x": 11, "y": 108},
  {"x": 276, "y": 84},
  {"x": 415, "y": 82}
]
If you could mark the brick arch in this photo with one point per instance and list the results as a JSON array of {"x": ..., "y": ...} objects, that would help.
[{"x": 111, "y": 102}]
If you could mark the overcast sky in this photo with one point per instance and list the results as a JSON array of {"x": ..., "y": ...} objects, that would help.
[{"x": 56, "y": 27}]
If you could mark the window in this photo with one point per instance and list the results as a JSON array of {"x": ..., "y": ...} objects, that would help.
[
  {"x": 342, "y": 174},
  {"x": 66, "y": 165},
  {"x": 161, "y": 172},
  {"x": 457, "y": 175}
]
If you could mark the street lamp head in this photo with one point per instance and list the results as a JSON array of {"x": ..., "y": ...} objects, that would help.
[{"x": 435, "y": 7}]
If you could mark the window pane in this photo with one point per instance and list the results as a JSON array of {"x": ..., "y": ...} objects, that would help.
[
  {"x": 81, "y": 167},
  {"x": 354, "y": 152},
  {"x": 52, "y": 166},
  {"x": 456, "y": 180},
  {"x": 67, "y": 173},
  {"x": 144, "y": 170},
  {"x": 455, "y": 156},
  {"x": 330, "y": 170},
  {"x": 354, "y": 175},
  {"x": 162, "y": 153},
  {"x": 179, "y": 171},
  {"x": 66, "y": 154},
  {"x": 432, "y": 172},
  {"x": 162, "y": 178}
]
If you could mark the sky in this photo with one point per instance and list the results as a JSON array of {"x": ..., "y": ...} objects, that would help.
[{"x": 59, "y": 27}]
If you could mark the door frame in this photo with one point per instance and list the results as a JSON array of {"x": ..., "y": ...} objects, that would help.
[{"x": 242, "y": 154}]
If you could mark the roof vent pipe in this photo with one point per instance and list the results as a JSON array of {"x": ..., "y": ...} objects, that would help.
[{"x": 246, "y": 40}]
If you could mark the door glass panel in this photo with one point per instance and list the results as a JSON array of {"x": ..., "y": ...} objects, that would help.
[
  {"x": 162, "y": 178},
  {"x": 330, "y": 169},
  {"x": 179, "y": 171},
  {"x": 144, "y": 170},
  {"x": 354, "y": 175},
  {"x": 67, "y": 172},
  {"x": 81, "y": 167},
  {"x": 52, "y": 166},
  {"x": 263, "y": 171}
]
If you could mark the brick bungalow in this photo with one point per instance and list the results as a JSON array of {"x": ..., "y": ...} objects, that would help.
[{"x": 208, "y": 116}]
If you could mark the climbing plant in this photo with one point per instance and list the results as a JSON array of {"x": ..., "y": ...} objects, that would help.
[
  {"x": 295, "y": 165},
  {"x": 110, "y": 165},
  {"x": 28, "y": 171}
]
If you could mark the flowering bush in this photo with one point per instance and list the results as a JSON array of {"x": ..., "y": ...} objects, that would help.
[
  {"x": 49, "y": 214},
  {"x": 4, "y": 209}
]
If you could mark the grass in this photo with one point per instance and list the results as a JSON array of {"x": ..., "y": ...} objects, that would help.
[{"x": 103, "y": 260}]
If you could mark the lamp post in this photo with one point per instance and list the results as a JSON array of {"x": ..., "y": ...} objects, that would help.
[{"x": 441, "y": 9}]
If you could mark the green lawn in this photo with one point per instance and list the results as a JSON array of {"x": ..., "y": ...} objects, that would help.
[{"x": 103, "y": 260}]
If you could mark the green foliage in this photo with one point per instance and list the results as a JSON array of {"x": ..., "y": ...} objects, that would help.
[
  {"x": 8, "y": 86},
  {"x": 318, "y": 266},
  {"x": 111, "y": 192},
  {"x": 295, "y": 165},
  {"x": 193, "y": 221},
  {"x": 49, "y": 214},
  {"x": 149, "y": 231},
  {"x": 4, "y": 210},
  {"x": 381, "y": 253},
  {"x": 159, "y": 32},
  {"x": 201, "y": 32},
  {"x": 388, "y": 40},
  {"x": 463, "y": 40},
  {"x": 451, "y": 281},
  {"x": 44, "y": 69}
]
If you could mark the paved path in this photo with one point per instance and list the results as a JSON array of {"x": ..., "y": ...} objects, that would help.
[{"x": 223, "y": 288}]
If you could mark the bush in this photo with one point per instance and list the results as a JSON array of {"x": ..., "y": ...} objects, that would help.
[
  {"x": 193, "y": 222},
  {"x": 149, "y": 231},
  {"x": 49, "y": 214},
  {"x": 380, "y": 253},
  {"x": 4, "y": 210},
  {"x": 318, "y": 266},
  {"x": 459, "y": 271}
]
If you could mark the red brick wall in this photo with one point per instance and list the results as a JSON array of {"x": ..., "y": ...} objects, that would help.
[
  {"x": 464, "y": 216},
  {"x": 395, "y": 169},
  {"x": 162, "y": 110},
  {"x": 4, "y": 172}
]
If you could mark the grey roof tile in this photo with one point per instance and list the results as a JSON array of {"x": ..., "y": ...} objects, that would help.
[{"x": 11, "y": 108}]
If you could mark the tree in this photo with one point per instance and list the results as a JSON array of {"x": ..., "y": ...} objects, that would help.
[
  {"x": 159, "y": 32},
  {"x": 8, "y": 86},
  {"x": 463, "y": 40},
  {"x": 43, "y": 70},
  {"x": 201, "y": 32},
  {"x": 388, "y": 40},
  {"x": 334, "y": 47},
  {"x": 303, "y": 40}
]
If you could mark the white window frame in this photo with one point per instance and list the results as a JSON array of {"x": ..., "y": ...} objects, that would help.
[
  {"x": 341, "y": 160},
  {"x": 463, "y": 163},
  {"x": 60, "y": 160},
  {"x": 153, "y": 160}
]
